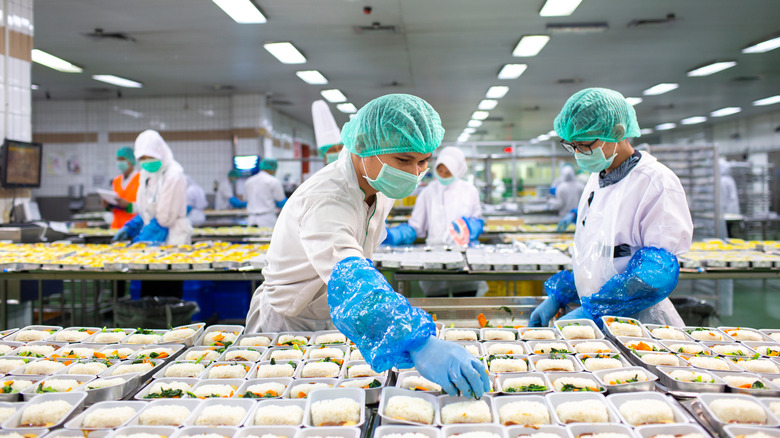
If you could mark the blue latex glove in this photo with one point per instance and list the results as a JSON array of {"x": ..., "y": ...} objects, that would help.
[
  {"x": 651, "y": 275},
  {"x": 121, "y": 235},
  {"x": 279, "y": 204},
  {"x": 402, "y": 234},
  {"x": 560, "y": 290},
  {"x": 552, "y": 191},
  {"x": 237, "y": 203},
  {"x": 381, "y": 322},
  {"x": 130, "y": 229},
  {"x": 544, "y": 312},
  {"x": 153, "y": 232},
  {"x": 476, "y": 227},
  {"x": 578, "y": 313},
  {"x": 189, "y": 209},
  {"x": 452, "y": 367},
  {"x": 566, "y": 221}
]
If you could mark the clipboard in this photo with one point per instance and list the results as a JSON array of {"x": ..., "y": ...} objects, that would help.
[{"x": 109, "y": 196}]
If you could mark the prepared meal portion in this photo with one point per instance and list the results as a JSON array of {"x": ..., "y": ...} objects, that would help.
[
  {"x": 419, "y": 383},
  {"x": 554, "y": 365},
  {"x": 547, "y": 348},
  {"x": 411, "y": 409},
  {"x": 733, "y": 410},
  {"x": 44, "y": 414},
  {"x": 460, "y": 335},
  {"x": 498, "y": 335},
  {"x": 744, "y": 382},
  {"x": 571, "y": 332},
  {"x": 524, "y": 413},
  {"x": 575, "y": 384},
  {"x": 586, "y": 411},
  {"x": 278, "y": 415},
  {"x": 660, "y": 359},
  {"x": 703, "y": 334},
  {"x": 691, "y": 376},
  {"x": 107, "y": 418},
  {"x": 624, "y": 327},
  {"x": 623, "y": 377},
  {"x": 524, "y": 384},
  {"x": 709, "y": 363},
  {"x": 473, "y": 411},
  {"x": 744, "y": 335},
  {"x": 221, "y": 415},
  {"x": 538, "y": 335},
  {"x": 335, "y": 412},
  {"x": 646, "y": 411},
  {"x": 759, "y": 366},
  {"x": 644, "y": 346},
  {"x": 669, "y": 333},
  {"x": 687, "y": 348}
]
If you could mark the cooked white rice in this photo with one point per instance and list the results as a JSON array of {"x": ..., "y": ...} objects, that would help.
[
  {"x": 363, "y": 370},
  {"x": 60, "y": 385},
  {"x": 508, "y": 366},
  {"x": 517, "y": 383},
  {"x": 71, "y": 336},
  {"x": 758, "y": 435},
  {"x": 733, "y": 410},
  {"x": 144, "y": 339},
  {"x": 159, "y": 387},
  {"x": 646, "y": 411},
  {"x": 278, "y": 415},
  {"x": 287, "y": 354},
  {"x": 228, "y": 337},
  {"x": 335, "y": 412},
  {"x": 83, "y": 353},
  {"x": 498, "y": 335},
  {"x": 44, "y": 414},
  {"x": 109, "y": 337},
  {"x": 775, "y": 407},
  {"x": 148, "y": 352},
  {"x": 776, "y": 381},
  {"x": 472, "y": 349},
  {"x": 592, "y": 347},
  {"x": 18, "y": 384},
  {"x": 709, "y": 363},
  {"x": 255, "y": 341},
  {"x": 588, "y": 411},
  {"x": 691, "y": 376},
  {"x": 765, "y": 350},
  {"x": 706, "y": 335},
  {"x": 602, "y": 363},
  {"x": 104, "y": 383},
  {"x": 236, "y": 371},
  {"x": 8, "y": 365},
  {"x": 107, "y": 418},
  {"x": 406, "y": 435},
  {"x": 543, "y": 435},
  {"x": 278, "y": 370},
  {"x": 625, "y": 329},
  {"x": 483, "y": 434},
  {"x": 687, "y": 348},
  {"x": 356, "y": 383},
  {"x": 38, "y": 350},
  {"x": 45, "y": 367},
  {"x": 460, "y": 335},
  {"x": 419, "y": 383},
  {"x": 548, "y": 347},
  {"x": 607, "y": 435},
  {"x": 775, "y": 336},
  {"x": 178, "y": 334},
  {"x": 660, "y": 359},
  {"x": 759, "y": 366},
  {"x": 578, "y": 332},
  {"x": 739, "y": 380},
  {"x": 577, "y": 382},
  {"x": 221, "y": 415},
  {"x": 331, "y": 338},
  {"x": 184, "y": 370},
  {"x": 321, "y": 369},
  {"x": 538, "y": 335},
  {"x": 523, "y": 413},
  {"x": 733, "y": 349},
  {"x": 132, "y": 368},
  {"x": 207, "y": 355},
  {"x": 121, "y": 353},
  {"x": 5, "y": 413},
  {"x": 214, "y": 390},
  {"x": 164, "y": 415},
  {"x": 286, "y": 339},
  {"x": 304, "y": 389},
  {"x": 413, "y": 409},
  {"x": 505, "y": 349},
  {"x": 669, "y": 333},
  {"x": 356, "y": 355},
  {"x": 243, "y": 355},
  {"x": 687, "y": 435},
  {"x": 621, "y": 377},
  {"x": 648, "y": 346},
  {"x": 5, "y": 349},
  {"x": 744, "y": 335},
  {"x": 274, "y": 389},
  {"x": 472, "y": 411},
  {"x": 554, "y": 365},
  {"x": 31, "y": 335},
  {"x": 322, "y": 353}
]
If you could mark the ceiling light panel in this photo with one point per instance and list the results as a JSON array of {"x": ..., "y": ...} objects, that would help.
[
  {"x": 241, "y": 11},
  {"x": 713, "y": 68},
  {"x": 767, "y": 101},
  {"x": 662, "y": 88},
  {"x": 695, "y": 120},
  {"x": 634, "y": 100},
  {"x": 116, "y": 80},
  {"x": 496, "y": 92},
  {"x": 763, "y": 46},
  {"x": 54, "y": 62},
  {"x": 487, "y": 104},
  {"x": 334, "y": 95},
  {"x": 285, "y": 52},
  {"x": 474, "y": 123},
  {"x": 480, "y": 115},
  {"x": 512, "y": 71},
  {"x": 312, "y": 77},
  {"x": 725, "y": 111},
  {"x": 665, "y": 126},
  {"x": 559, "y": 8},
  {"x": 346, "y": 108},
  {"x": 530, "y": 45}
]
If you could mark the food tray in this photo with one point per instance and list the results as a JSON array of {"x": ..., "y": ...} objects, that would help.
[
  {"x": 246, "y": 404},
  {"x": 389, "y": 392},
  {"x": 768, "y": 332},
  {"x": 445, "y": 400},
  {"x": 503, "y": 377},
  {"x": 296, "y": 366},
  {"x": 340, "y": 432},
  {"x": 484, "y": 330},
  {"x": 619, "y": 357},
  {"x": 14, "y": 396},
  {"x": 108, "y": 349},
  {"x": 190, "y": 340},
  {"x": 443, "y": 334},
  {"x": 165, "y": 431},
  {"x": 453, "y": 430},
  {"x": 235, "y": 383},
  {"x": 126, "y": 339},
  {"x": 86, "y": 340},
  {"x": 610, "y": 345},
  {"x": 323, "y": 395},
  {"x": 290, "y": 392},
  {"x": 765, "y": 337},
  {"x": 522, "y": 333},
  {"x": 651, "y": 431},
  {"x": 116, "y": 392},
  {"x": 348, "y": 364},
  {"x": 638, "y": 361},
  {"x": 705, "y": 399},
  {"x": 772, "y": 348},
  {"x": 28, "y": 432},
  {"x": 670, "y": 344},
  {"x": 160, "y": 374},
  {"x": 617, "y": 400},
  {"x": 428, "y": 431},
  {"x": 742, "y": 348},
  {"x": 610, "y": 334},
  {"x": 664, "y": 372},
  {"x": 402, "y": 376},
  {"x": 126, "y": 331},
  {"x": 691, "y": 329},
  {"x": 13, "y": 336},
  {"x": 556, "y": 398},
  {"x": 76, "y": 399},
  {"x": 249, "y": 368},
  {"x": 582, "y": 375},
  {"x": 623, "y": 341},
  {"x": 372, "y": 394},
  {"x": 499, "y": 402},
  {"x": 732, "y": 366},
  {"x": 259, "y": 431},
  {"x": 177, "y": 349},
  {"x": 648, "y": 385},
  {"x": 532, "y": 347},
  {"x": 250, "y": 421},
  {"x": 737, "y": 430},
  {"x": 317, "y": 334},
  {"x": 515, "y": 431},
  {"x": 197, "y": 431},
  {"x": 77, "y": 422},
  {"x": 306, "y": 355},
  {"x": 685, "y": 335},
  {"x": 30, "y": 392},
  {"x": 521, "y": 347},
  {"x": 573, "y": 359},
  {"x": 477, "y": 345},
  {"x": 286, "y": 381},
  {"x": 588, "y": 322},
  {"x": 770, "y": 389},
  {"x": 140, "y": 395},
  {"x": 238, "y": 329},
  {"x": 580, "y": 429},
  {"x": 271, "y": 336},
  {"x": 270, "y": 352}
]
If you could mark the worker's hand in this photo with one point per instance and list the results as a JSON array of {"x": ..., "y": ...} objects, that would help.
[
  {"x": 237, "y": 203},
  {"x": 402, "y": 234},
  {"x": 121, "y": 235},
  {"x": 452, "y": 367},
  {"x": 565, "y": 222},
  {"x": 544, "y": 312},
  {"x": 122, "y": 203},
  {"x": 103, "y": 203},
  {"x": 578, "y": 313}
]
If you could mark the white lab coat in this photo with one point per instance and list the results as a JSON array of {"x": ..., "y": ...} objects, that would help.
[
  {"x": 325, "y": 221},
  {"x": 196, "y": 198},
  {"x": 263, "y": 191},
  {"x": 163, "y": 195},
  {"x": 646, "y": 208},
  {"x": 438, "y": 206},
  {"x": 729, "y": 198},
  {"x": 225, "y": 192},
  {"x": 568, "y": 192}
]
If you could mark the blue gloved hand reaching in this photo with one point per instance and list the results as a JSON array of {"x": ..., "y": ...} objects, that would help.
[
  {"x": 121, "y": 235},
  {"x": 153, "y": 232},
  {"x": 129, "y": 230},
  {"x": 578, "y": 313},
  {"x": 452, "y": 367},
  {"x": 544, "y": 312},
  {"x": 399, "y": 235},
  {"x": 560, "y": 290},
  {"x": 237, "y": 203},
  {"x": 564, "y": 223}
]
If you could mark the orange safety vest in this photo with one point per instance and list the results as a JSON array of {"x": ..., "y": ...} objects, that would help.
[{"x": 128, "y": 193}]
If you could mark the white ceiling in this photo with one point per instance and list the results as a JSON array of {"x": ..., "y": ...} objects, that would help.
[{"x": 448, "y": 52}]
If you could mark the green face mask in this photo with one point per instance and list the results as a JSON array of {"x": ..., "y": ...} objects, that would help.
[
  {"x": 329, "y": 158},
  {"x": 122, "y": 166},
  {"x": 394, "y": 183},
  {"x": 595, "y": 162},
  {"x": 445, "y": 181},
  {"x": 151, "y": 166}
]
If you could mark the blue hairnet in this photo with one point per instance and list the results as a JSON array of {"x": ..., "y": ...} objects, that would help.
[
  {"x": 127, "y": 153},
  {"x": 393, "y": 123},
  {"x": 597, "y": 114},
  {"x": 269, "y": 164}
]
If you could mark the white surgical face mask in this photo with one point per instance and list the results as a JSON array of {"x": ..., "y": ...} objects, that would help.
[{"x": 394, "y": 183}]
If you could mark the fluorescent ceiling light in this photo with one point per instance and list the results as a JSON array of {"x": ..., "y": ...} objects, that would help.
[
  {"x": 646, "y": 131},
  {"x": 763, "y": 46},
  {"x": 346, "y": 108},
  {"x": 285, "y": 52},
  {"x": 496, "y": 92},
  {"x": 552, "y": 133},
  {"x": 52, "y": 61},
  {"x": 35, "y": 87},
  {"x": 665, "y": 126},
  {"x": 462, "y": 138},
  {"x": 695, "y": 120},
  {"x": 729, "y": 110},
  {"x": 241, "y": 11},
  {"x": 474, "y": 123},
  {"x": 543, "y": 137},
  {"x": 662, "y": 88},
  {"x": 530, "y": 45},
  {"x": 558, "y": 8},
  {"x": 767, "y": 101},
  {"x": 469, "y": 131},
  {"x": 334, "y": 95},
  {"x": 711, "y": 68},
  {"x": 131, "y": 113},
  {"x": 116, "y": 80},
  {"x": 512, "y": 71},
  {"x": 480, "y": 115},
  {"x": 634, "y": 100},
  {"x": 487, "y": 104},
  {"x": 312, "y": 77}
]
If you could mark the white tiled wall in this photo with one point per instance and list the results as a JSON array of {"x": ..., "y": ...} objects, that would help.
[{"x": 15, "y": 90}]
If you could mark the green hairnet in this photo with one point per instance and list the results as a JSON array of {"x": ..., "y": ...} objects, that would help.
[
  {"x": 127, "y": 153},
  {"x": 597, "y": 114},
  {"x": 234, "y": 173},
  {"x": 393, "y": 123},
  {"x": 269, "y": 164}
]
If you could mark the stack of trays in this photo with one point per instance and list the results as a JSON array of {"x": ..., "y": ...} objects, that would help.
[{"x": 507, "y": 258}]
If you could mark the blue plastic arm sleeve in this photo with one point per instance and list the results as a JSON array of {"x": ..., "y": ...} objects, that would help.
[
  {"x": 152, "y": 232},
  {"x": 369, "y": 312},
  {"x": 279, "y": 204},
  {"x": 133, "y": 226},
  {"x": 402, "y": 234},
  {"x": 476, "y": 226},
  {"x": 561, "y": 288},
  {"x": 651, "y": 275}
]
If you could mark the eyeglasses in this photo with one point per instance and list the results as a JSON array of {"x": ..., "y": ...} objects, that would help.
[{"x": 581, "y": 148}]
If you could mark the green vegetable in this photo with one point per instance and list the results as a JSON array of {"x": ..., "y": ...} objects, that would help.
[
  {"x": 273, "y": 361},
  {"x": 505, "y": 309},
  {"x": 375, "y": 384},
  {"x": 142, "y": 331},
  {"x": 294, "y": 342},
  {"x": 569, "y": 388},
  {"x": 757, "y": 385},
  {"x": 8, "y": 388},
  {"x": 154, "y": 355},
  {"x": 41, "y": 389},
  {"x": 167, "y": 393},
  {"x": 82, "y": 330},
  {"x": 253, "y": 395},
  {"x": 531, "y": 388},
  {"x": 201, "y": 358},
  {"x": 558, "y": 351}
]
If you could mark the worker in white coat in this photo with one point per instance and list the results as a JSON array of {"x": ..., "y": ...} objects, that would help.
[
  {"x": 162, "y": 196},
  {"x": 319, "y": 273},
  {"x": 196, "y": 203},
  {"x": 729, "y": 198},
  {"x": 326, "y": 131},
  {"x": 567, "y": 196},
  {"x": 632, "y": 220},
  {"x": 264, "y": 195},
  {"x": 229, "y": 191}
]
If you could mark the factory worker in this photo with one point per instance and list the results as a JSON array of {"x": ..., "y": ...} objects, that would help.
[
  {"x": 264, "y": 195},
  {"x": 125, "y": 186},
  {"x": 326, "y": 131},
  {"x": 729, "y": 199},
  {"x": 162, "y": 196},
  {"x": 632, "y": 219},
  {"x": 319, "y": 274},
  {"x": 196, "y": 203},
  {"x": 567, "y": 196},
  {"x": 227, "y": 191}
]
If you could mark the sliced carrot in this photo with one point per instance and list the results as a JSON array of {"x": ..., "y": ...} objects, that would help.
[
  {"x": 420, "y": 388},
  {"x": 163, "y": 355},
  {"x": 301, "y": 394},
  {"x": 99, "y": 355},
  {"x": 219, "y": 337},
  {"x": 271, "y": 392},
  {"x": 482, "y": 320}
]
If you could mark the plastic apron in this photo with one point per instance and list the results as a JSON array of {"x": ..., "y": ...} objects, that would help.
[
  {"x": 180, "y": 233},
  {"x": 593, "y": 259}
]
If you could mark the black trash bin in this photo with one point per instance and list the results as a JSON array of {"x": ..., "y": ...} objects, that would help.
[
  {"x": 694, "y": 312},
  {"x": 154, "y": 312}
]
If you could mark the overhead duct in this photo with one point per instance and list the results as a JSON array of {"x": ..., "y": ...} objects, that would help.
[
  {"x": 377, "y": 27},
  {"x": 592, "y": 27},
  {"x": 100, "y": 34},
  {"x": 641, "y": 22}
]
